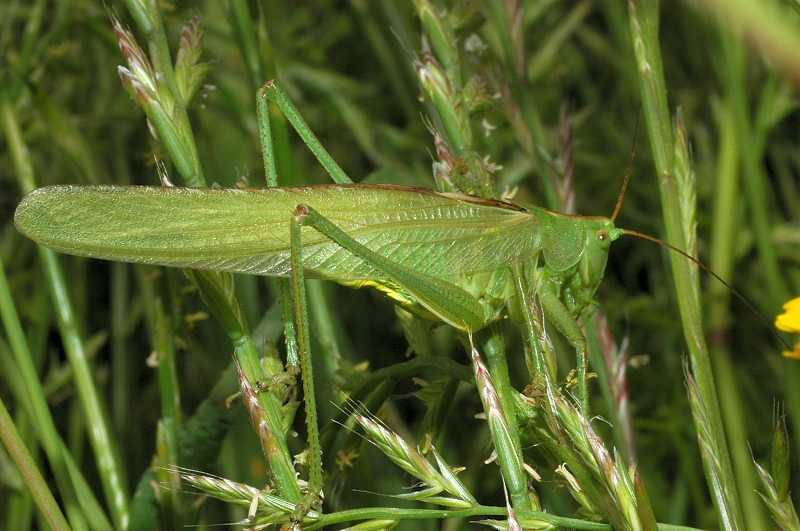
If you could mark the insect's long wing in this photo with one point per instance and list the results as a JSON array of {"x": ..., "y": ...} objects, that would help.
[{"x": 247, "y": 230}]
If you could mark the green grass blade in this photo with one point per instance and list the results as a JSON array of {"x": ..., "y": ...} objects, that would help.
[
  {"x": 644, "y": 21},
  {"x": 30, "y": 472},
  {"x": 111, "y": 470}
]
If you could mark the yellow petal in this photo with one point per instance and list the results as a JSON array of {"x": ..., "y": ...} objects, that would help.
[
  {"x": 794, "y": 354},
  {"x": 790, "y": 320}
]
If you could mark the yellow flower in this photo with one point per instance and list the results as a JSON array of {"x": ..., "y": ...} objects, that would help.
[
  {"x": 794, "y": 354},
  {"x": 789, "y": 321}
]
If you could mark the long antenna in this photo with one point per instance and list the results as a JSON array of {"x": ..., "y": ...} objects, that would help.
[
  {"x": 708, "y": 270},
  {"x": 628, "y": 172},
  {"x": 700, "y": 264}
]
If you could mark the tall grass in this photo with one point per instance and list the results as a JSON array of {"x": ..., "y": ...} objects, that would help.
[{"x": 113, "y": 373}]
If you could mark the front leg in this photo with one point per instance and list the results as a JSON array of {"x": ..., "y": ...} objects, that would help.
[{"x": 555, "y": 310}]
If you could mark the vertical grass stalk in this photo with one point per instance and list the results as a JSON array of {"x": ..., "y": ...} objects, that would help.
[
  {"x": 644, "y": 24},
  {"x": 111, "y": 470}
]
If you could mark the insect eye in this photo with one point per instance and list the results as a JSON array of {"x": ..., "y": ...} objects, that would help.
[{"x": 603, "y": 238}]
